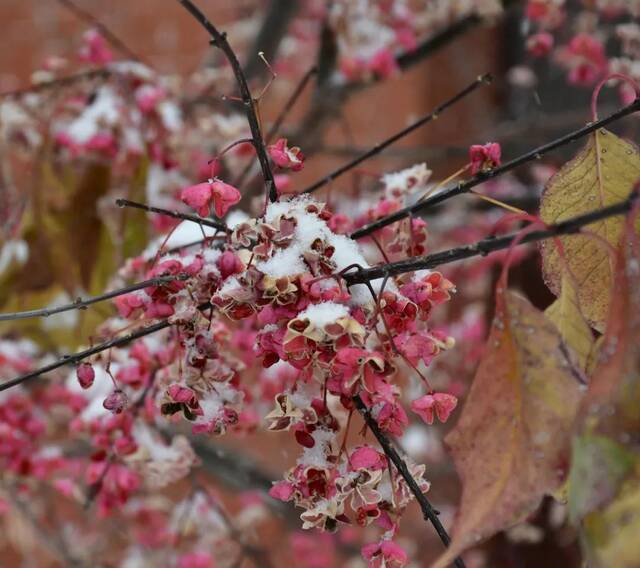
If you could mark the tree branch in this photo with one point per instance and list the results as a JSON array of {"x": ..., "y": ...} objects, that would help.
[
  {"x": 90, "y": 19},
  {"x": 466, "y": 186},
  {"x": 220, "y": 40},
  {"x": 489, "y": 245},
  {"x": 80, "y": 304},
  {"x": 428, "y": 512},
  {"x": 80, "y": 355},
  {"x": 275, "y": 127},
  {"x": 433, "y": 115},
  {"x": 175, "y": 214}
]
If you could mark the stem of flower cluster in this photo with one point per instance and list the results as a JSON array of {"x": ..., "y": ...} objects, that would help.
[
  {"x": 481, "y": 177},
  {"x": 429, "y": 513}
]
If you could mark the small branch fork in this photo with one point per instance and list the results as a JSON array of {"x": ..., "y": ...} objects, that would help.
[
  {"x": 361, "y": 276},
  {"x": 219, "y": 39},
  {"x": 80, "y": 304},
  {"x": 466, "y": 186},
  {"x": 433, "y": 115},
  {"x": 175, "y": 214},
  {"x": 489, "y": 245},
  {"x": 428, "y": 512}
]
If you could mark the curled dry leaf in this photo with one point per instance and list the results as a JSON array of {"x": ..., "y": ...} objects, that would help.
[
  {"x": 511, "y": 444},
  {"x": 604, "y": 483},
  {"x": 602, "y": 174}
]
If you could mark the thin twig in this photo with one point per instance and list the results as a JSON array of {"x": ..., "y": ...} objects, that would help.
[
  {"x": 175, "y": 214},
  {"x": 80, "y": 304},
  {"x": 433, "y": 115},
  {"x": 219, "y": 39},
  {"x": 272, "y": 30},
  {"x": 290, "y": 103},
  {"x": 428, "y": 511},
  {"x": 111, "y": 37},
  {"x": 284, "y": 111},
  {"x": 466, "y": 186},
  {"x": 489, "y": 245}
]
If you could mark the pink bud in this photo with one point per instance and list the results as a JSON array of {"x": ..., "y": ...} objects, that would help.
[
  {"x": 85, "y": 374},
  {"x": 115, "y": 402}
]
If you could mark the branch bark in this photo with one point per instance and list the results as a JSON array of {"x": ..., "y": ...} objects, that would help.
[
  {"x": 466, "y": 186},
  {"x": 428, "y": 512},
  {"x": 489, "y": 245}
]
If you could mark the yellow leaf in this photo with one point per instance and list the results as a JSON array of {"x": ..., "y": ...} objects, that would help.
[
  {"x": 511, "y": 444},
  {"x": 604, "y": 483},
  {"x": 573, "y": 327},
  {"x": 611, "y": 534},
  {"x": 603, "y": 173}
]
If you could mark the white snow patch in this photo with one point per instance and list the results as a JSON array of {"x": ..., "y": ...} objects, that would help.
[{"x": 323, "y": 314}]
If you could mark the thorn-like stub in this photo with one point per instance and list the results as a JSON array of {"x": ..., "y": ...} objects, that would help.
[{"x": 487, "y": 78}]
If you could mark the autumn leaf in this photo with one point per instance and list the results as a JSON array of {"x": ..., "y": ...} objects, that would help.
[
  {"x": 603, "y": 173},
  {"x": 565, "y": 313},
  {"x": 511, "y": 444},
  {"x": 604, "y": 482}
]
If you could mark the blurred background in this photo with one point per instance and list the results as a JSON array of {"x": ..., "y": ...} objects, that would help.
[{"x": 522, "y": 108}]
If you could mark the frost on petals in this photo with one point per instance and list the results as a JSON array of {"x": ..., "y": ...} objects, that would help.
[
  {"x": 484, "y": 157},
  {"x": 115, "y": 402},
  {"x": 442, "y": 404},
  {"x": 285, "y": 157},
  {"x": 85, "y": 374}
]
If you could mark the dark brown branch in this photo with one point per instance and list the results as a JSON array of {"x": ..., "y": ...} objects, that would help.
[
  {"x": 61, "y": 82},
  {"x": 428, "y": 512},
  {"x": 488, "y": 245},
  {"x": 219, "y": 39},
  {"x": 80, "y": 355},
  {"x": 466, "y": 186},
  {"x": 284, "y": 111},
  {"x": 175, "y": 214},
  {"x": 434, "y": 114},
  {"x": 90, "y": 19},
  {"x": 80, "y": 304}
]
